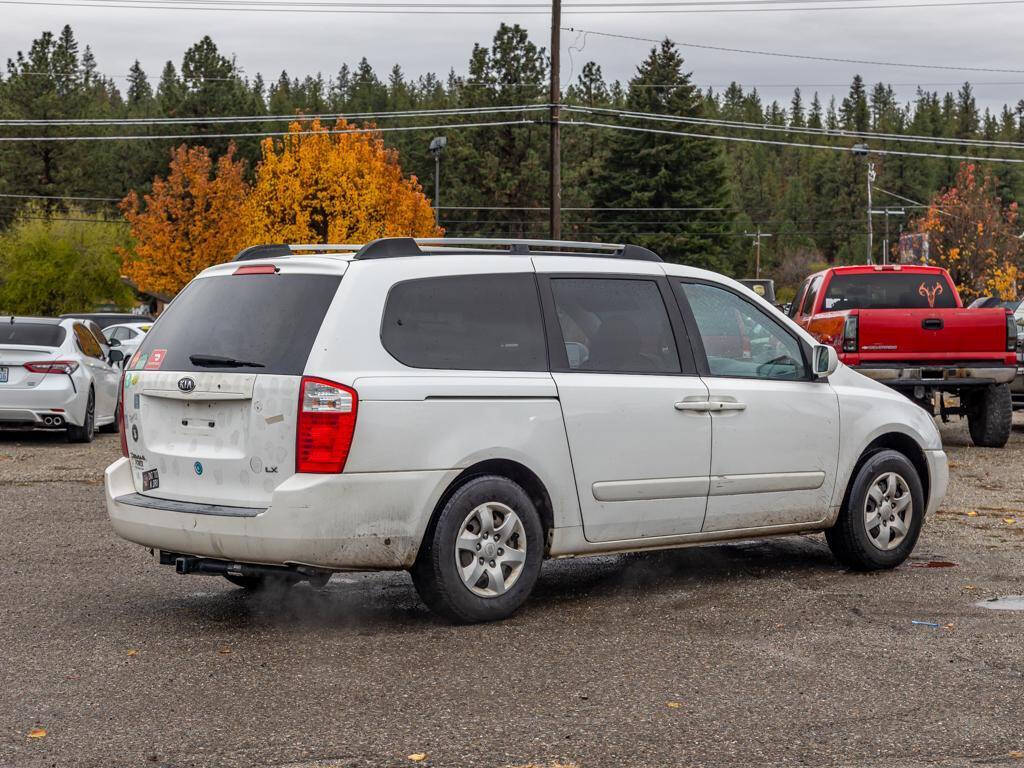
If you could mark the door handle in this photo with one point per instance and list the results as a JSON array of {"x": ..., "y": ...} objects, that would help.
[{"x": 695, "y": 405}]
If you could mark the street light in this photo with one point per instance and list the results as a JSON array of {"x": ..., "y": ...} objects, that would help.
[{"x": 437, "y": 145}]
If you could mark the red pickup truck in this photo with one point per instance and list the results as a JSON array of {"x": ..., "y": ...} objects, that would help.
[{"x": 906, "y": 327}]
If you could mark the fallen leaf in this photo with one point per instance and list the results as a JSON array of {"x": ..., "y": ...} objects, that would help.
[
  {"x": 133, "y": 652},
  {"x": 37, "y": 733},
  {"x": 673, "y": 704},
  {"x": 1009, "y": 520},
  {"x": 949, "y": 626},
  {"x": 1017, "y": 754},
  {"x": 418, "y": 757},
  {"x": 973, "y": 513},
  {"x": 225, "y": 650},
  {"x": 969, "y": 587}
]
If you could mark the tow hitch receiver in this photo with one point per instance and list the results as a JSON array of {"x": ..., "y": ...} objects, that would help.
[{"x": 185, "y": 564}]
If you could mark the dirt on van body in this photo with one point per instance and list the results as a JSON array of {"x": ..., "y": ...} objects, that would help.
[{"x": 753, "y": 653}]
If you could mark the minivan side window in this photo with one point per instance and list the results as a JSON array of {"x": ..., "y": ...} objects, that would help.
[
  {"x": 741, "y": 341},
  {"x": 613, "y": 325},
  {"x": 467, "y": 323}
]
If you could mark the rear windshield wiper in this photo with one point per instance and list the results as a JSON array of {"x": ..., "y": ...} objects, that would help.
[{"x": 216, "y": 361}]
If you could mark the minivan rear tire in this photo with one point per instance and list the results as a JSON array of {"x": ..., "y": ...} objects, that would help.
[{"x": 436, "y": 574}]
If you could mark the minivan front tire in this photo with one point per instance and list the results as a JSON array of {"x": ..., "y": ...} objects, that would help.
[
  {"x": 481, "y": 559},
  {"x": 881, "y": 516}
]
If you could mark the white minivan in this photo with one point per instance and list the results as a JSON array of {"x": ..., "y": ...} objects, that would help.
[{"x": 464, "y": 409}]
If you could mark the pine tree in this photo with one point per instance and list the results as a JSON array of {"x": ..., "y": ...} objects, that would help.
[
  {"x": 139, "y": 90},
  {"x": 657, "y": 171},
  {"x": 796, "y": 110}
]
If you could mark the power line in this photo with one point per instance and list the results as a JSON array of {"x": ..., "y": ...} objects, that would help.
[
  {"x": 490, "y": 10},
  {"x": 217, "y": 119},
  {"x": 804, "y": 145},
  {"x": 62, "y": 197},
  {"x": 267, "y": 134},
  {"x": 824, "y": 132},
  {"x": 803, "y": 57}
]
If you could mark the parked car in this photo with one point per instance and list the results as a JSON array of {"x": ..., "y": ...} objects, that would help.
[
  {"x": 906, "y": 326},
  {"x": 128, "y": 336},
  {"x": 104, "y": 319},
  {"x": 54, "y": 374},
  {"x": 465, "y": 409},
  {"x": 764, "y": 288}
]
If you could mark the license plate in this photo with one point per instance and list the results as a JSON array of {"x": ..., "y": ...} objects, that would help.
[
  {"x": 3, "y": 374},
  {"x": 150, "y": 480}
]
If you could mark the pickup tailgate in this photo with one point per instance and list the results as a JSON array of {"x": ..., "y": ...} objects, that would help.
[{"x": 932, "y": 335}]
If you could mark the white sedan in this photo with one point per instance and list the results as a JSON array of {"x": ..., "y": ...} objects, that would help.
[
  {"x": 129, "y": 335},
  {"x": 57, "y": 374}
]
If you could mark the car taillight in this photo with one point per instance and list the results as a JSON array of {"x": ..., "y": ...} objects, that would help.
[
  {"x": 1011, "y": 333},
  {"x": 120, "y": 412},
  {"x": 327, "y": 421},
  {"x": 53, "y": 366},
  {"x": 850, "y": 334}
]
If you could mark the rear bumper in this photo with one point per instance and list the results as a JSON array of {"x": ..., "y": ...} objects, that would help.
[
  {"x": 24, "y": 418},
  {"x": 358, "y": 521},
  {"x": 939, "y": 376}
]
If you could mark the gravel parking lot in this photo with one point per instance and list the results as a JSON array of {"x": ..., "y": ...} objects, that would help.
[{"x": 744, "y": 654}]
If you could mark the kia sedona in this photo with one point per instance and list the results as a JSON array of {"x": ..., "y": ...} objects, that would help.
[{"x": 464, "y": 409}]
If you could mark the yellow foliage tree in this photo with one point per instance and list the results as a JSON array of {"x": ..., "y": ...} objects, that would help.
[
  {"x": 189, "y": 221},
  {"x": 321, "y": 186},
  {"x": 974, "y": 236}
]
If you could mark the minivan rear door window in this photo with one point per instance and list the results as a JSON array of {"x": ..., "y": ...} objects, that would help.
[{"x": 254, "y": 323}]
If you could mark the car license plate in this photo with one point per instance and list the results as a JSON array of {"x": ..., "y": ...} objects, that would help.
[
  {"x": 150, "y": 480},
  {"x": 3, "y": 374}
]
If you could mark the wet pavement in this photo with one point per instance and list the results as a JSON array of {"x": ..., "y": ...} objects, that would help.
[{"x": 763, "y": 653}]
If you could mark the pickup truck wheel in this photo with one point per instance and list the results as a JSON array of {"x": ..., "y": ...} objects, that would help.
[
  {"x": 881, "y": 516},
  {"x": 483, "y": 556},
  {"x": 990, "y": 415}
]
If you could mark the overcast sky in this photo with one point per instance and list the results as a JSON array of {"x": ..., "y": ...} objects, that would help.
[{"x": 980, "y": 36}]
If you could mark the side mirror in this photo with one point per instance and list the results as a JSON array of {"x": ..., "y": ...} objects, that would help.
[
  {"x": 826, "y": 360},
  {"x": 116, "y": 356}
]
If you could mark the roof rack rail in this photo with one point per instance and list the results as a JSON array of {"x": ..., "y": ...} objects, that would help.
[
  {"x": 391, "y": 247},
  {"x": 276, "y": 250}
]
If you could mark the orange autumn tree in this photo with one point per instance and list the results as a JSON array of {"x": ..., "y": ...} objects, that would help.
[
  {"x": 323, "y": 187},
  {"x": 974, "y": 236},
  {"x": 189, "y": 221}
]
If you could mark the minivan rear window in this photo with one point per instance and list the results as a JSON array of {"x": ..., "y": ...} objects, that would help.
[
  {"x": 31, "y": 334},
  {"x": 888, "y": 290},
  {"x": 264, "y": 323},
  {"x": 466, "y": 322}
]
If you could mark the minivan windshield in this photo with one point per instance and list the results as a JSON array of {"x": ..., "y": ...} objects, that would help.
[
  {"x": 31, "y": 334},
  {"x": 888, "y": 290},
  {"x": 244, "y": 323}
]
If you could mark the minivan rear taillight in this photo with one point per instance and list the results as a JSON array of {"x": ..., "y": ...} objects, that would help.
[
  {"x": 850, "y": 334},
  {"x": 53, "y": 366},
  {"x": 327, "y": 421},
  {"x": 121, "y": 418}
]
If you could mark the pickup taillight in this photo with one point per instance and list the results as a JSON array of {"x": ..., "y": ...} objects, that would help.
[
  {"x": 1011, "y": 333},
  {"x": 850, "y": 334}
]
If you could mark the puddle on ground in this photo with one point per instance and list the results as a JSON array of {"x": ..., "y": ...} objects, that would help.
[{"x": 1004, "y": 603}]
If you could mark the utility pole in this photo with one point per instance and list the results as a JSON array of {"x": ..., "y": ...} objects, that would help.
[
  {"x": 871, "y": 234},
  {"x": 556, "y": 138},
  {"x": 757, "y": 245}
]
